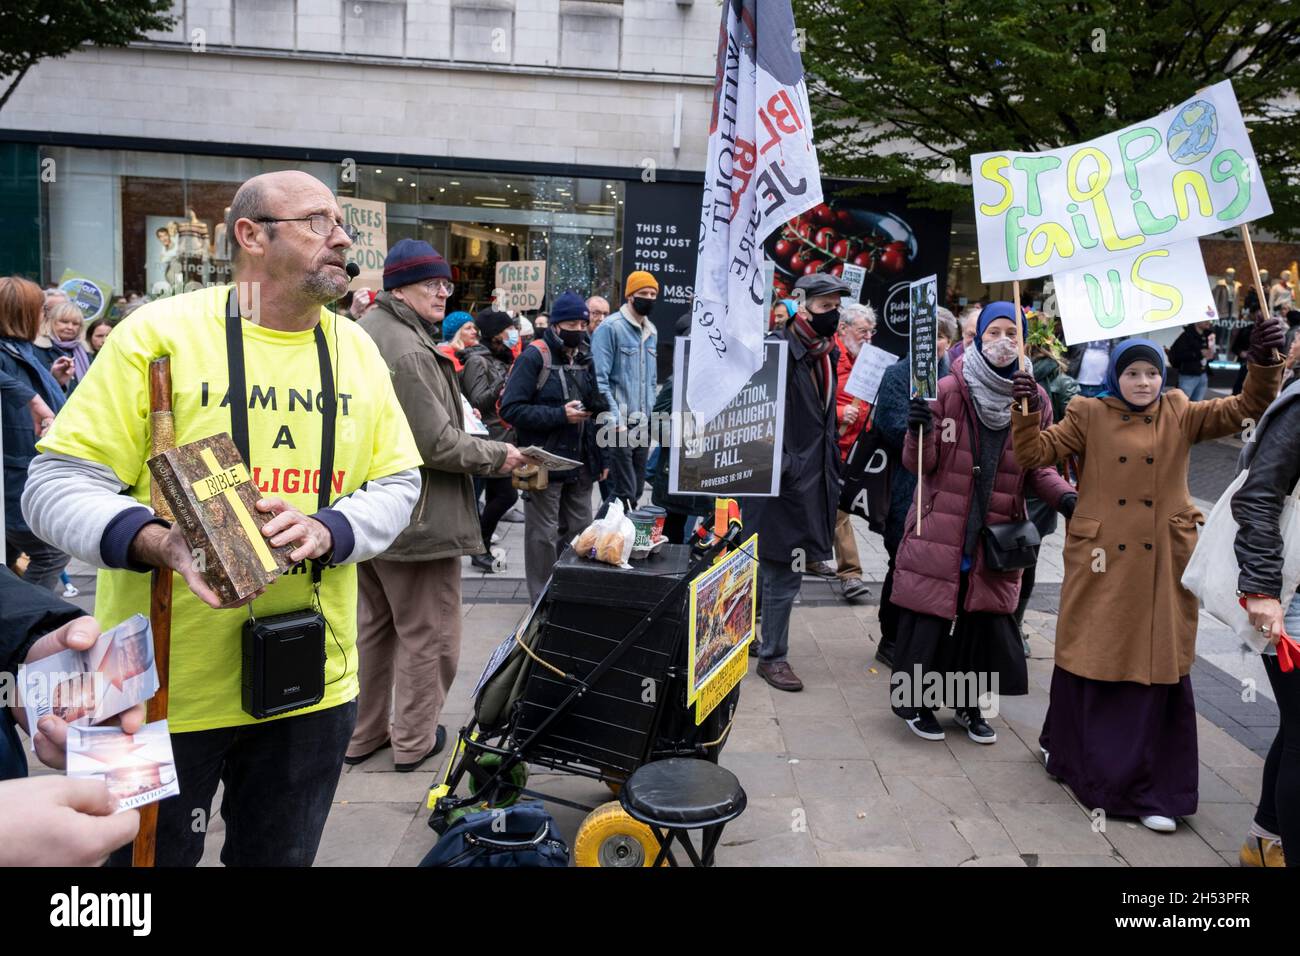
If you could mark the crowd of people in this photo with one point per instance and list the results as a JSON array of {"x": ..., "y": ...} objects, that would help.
[
  {"x": 437, "y": 413},
  {"x": 1018, "y": 435}
]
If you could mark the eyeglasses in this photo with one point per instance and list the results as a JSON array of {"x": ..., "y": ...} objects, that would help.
[
  {"x": 320, "y": 224},
  {"x": 434, "y": 286}
]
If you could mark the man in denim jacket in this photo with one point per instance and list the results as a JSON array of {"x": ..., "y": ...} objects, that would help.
[{"x": 623, "y": 355}]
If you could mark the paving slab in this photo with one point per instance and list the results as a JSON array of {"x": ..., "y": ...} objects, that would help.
[
  {"x": 1050, "y": 828},
  {"x": 1142, "y": 847}
]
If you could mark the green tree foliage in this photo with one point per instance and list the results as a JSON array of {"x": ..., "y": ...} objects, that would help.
[
  {"x": 33, "y": 30},
  {"x": 904, "y": 91}
]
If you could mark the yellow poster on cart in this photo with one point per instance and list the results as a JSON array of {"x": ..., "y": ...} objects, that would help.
[{"x": 723, "y": 605}]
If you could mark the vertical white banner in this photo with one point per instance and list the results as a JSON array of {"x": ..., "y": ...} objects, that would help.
[{"x": 761, "y": 171}]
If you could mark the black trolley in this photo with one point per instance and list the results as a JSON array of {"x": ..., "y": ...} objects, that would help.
[{"x": 593, "y": 683}]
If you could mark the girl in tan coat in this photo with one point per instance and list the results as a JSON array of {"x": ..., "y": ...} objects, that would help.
[{"x": 1121, "y": 723}]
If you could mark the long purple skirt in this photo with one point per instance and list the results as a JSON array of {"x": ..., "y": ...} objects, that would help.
[{"x": 1126, "y": 748}]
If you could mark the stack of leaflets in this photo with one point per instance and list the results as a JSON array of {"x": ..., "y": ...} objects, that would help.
[{"x": 86, "y": 688}]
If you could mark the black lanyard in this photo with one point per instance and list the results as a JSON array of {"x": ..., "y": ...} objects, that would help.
[{"x": 238, "y": 396}]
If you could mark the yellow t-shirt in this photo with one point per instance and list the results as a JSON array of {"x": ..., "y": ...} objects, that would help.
[{"x": 107, "y": 421}]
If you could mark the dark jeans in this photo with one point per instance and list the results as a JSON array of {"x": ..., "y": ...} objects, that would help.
[
  {"x": 627, "y": 473},
  {"x": 45, "y": 562},
  {"x": 279, "y": 779},
  {"x": 778, "y": 585},
  {"x": 552, "y": 517},
  {"x": 501, "y": 497},
  {"x": 1279, "y": 798}
]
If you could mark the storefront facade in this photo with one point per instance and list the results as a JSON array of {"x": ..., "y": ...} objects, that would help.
[{"x": 152, "y": 221}]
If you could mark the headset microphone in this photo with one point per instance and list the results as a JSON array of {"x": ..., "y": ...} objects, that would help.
[{"x": 353, "y": 270}]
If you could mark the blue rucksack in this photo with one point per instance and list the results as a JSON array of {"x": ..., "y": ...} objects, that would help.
[{"x": 520, "y": 836}]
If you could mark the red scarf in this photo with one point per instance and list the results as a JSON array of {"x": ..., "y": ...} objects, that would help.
[{"x": 818, "y": 347}]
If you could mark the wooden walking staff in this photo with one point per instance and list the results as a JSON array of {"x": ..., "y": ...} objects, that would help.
[{"x": 162, "y": 428}]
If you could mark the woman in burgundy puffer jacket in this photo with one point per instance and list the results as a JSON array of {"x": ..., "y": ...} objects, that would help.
[{"x": 957, "y": 635}]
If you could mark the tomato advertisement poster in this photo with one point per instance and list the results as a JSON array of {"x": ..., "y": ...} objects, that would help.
[{"x": 895, "y": 244}]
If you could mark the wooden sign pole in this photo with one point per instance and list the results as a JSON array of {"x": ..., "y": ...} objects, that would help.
[
  {"x": 1254, "y": 277},
  {"x": 856, "y": 403},
  {"x": 1020, "y": 339},
  {"x": 920, "y": 446},
  {"x": 162, "y": 437}
]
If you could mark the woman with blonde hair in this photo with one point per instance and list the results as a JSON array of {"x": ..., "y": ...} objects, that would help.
[
  {"x": 29, "y": 391},
  {"x": 61, "y": 345}
]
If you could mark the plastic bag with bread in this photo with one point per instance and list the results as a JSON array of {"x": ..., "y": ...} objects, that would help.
[{"x": 608, "y": 539}]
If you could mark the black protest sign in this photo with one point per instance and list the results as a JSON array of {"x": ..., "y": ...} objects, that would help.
[
  {"x": 923, "y": 298},
  {"x": 739, "y": 453},
  {"x": 661, "y": 226}
]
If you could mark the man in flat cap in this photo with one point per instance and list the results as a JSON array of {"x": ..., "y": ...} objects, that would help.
[{"x": 797, "y": 528}]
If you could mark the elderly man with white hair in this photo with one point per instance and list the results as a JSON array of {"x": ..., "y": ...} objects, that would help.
[{"x": 966, "y": 328}]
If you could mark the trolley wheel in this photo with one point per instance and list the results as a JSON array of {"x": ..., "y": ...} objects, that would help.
[
  {"x": 508, "y": 790},
  {"x": 609, "y": 837}
]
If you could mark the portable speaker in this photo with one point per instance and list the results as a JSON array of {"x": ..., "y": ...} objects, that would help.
[{"x": 283, "y": 663}]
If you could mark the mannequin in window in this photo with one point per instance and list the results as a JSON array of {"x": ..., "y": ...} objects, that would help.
[
  {"x": 1281, "y": 298},
  {"x": 1225, "y": 295}
]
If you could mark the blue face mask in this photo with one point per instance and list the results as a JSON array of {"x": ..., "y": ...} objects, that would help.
[{"x": 512, "y": 338}]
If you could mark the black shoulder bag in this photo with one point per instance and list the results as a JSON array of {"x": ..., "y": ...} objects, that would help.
[
  {"x": 283, "y": 667},
  {"x": 1012, "y": 545}
]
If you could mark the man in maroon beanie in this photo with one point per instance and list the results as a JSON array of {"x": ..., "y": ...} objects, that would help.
[{"x": 408, "y": 614}]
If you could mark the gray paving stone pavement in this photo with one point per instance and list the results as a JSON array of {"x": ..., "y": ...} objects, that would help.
[{"x": 833, "y": 778}]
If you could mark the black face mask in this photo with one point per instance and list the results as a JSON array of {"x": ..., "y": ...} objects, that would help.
[
  {"x": 643, "y": 307},
  {"x": 825, "y": 323},
  {"x": 573, "y": 338}
]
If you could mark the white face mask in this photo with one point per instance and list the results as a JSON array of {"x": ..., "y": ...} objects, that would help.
[{"x": 1000, "y": 352}]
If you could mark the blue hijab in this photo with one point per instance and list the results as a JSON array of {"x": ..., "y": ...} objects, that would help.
[
  {"x": 990, "y": 314},
  {"x": 994, "y": 311},
  {"x": 1148, "y": 352}
]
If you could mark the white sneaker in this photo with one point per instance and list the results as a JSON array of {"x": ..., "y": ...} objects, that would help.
[
  {"x": 70, "y": 590},
  {"x": 1159, "y": 824},
  {"x": 1050, "y": 775}
]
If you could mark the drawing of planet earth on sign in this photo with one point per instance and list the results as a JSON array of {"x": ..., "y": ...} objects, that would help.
[{"x": 1193, "y": 132}]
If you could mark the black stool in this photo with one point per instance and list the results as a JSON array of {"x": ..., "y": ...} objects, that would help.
[{"x": 681, "y": 794}]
